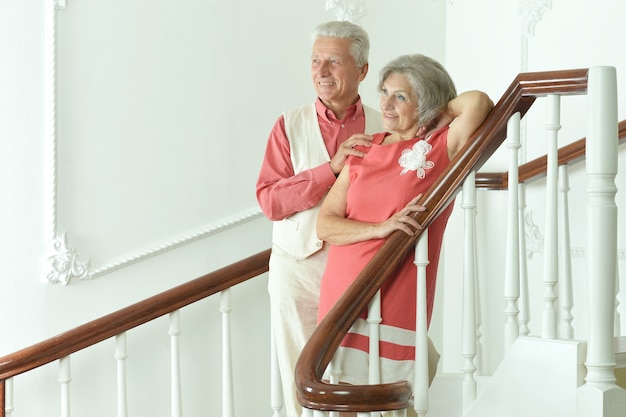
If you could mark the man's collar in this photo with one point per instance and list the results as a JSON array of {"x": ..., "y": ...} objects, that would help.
[{"x": 324, "y": 111}]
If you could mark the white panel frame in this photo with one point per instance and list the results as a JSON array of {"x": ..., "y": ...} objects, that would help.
[{"x": 62, "y": 263}]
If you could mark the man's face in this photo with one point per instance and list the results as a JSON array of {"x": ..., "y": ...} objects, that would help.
[{"x": 334, "y": 72}]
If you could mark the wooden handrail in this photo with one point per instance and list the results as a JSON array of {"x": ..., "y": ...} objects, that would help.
[
  {"x": 536, "y": 169},
  {"x": 311, "y": 390},
  {"x": 127, "y": 318}
]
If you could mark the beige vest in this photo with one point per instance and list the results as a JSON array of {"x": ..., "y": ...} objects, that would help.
[{"x": 295, "y": 235}]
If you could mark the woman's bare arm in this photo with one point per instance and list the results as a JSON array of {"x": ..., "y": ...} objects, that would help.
[
  {"x": 333, "y": 226},
  {"x": 469, "y": 110}
]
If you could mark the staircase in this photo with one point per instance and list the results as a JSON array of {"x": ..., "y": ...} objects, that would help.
[
  {"x": 538, "y": 375},
  {"x": 531, "y": 369}
]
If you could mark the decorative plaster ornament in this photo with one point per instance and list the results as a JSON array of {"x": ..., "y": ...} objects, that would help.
[
  {"x": 532, "y": 11},
  {"x": 350, "y": 10},
  {"x": 534, "y": 238},
  {"x": 64, "y": 263}
]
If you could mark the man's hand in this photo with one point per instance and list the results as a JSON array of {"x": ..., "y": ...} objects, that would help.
[{"x": 347, "y": 148}]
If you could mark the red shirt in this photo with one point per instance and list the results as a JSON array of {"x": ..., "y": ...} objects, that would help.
[{"x": 279, "y": 192}]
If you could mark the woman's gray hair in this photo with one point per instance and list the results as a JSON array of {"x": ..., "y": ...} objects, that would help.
[
  {"x": 359, "y": 40},
  {"x": 432, "y": 85}
]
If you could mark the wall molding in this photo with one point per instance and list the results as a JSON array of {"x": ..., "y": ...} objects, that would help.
[
  {"x": 532, "y": 12},
  {"x": 62, "y": 263},
  {"x": 350, "y": 10}
]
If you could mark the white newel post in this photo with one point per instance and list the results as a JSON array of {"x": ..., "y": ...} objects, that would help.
[
  {"x": 599, "y": 396},
  {"x": 469, "y": 290},
  {"x": 511, "y": 285},
  {"x": 420, "y": 386}
]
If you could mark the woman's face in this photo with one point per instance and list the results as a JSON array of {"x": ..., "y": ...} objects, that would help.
[{"x": 398, "y": 106}]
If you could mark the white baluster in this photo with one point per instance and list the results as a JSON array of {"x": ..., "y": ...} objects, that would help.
[
  {"x": 276, "y": 388},
  {"x": 524, "y": 307},
  {"x": 176, "y": 397},
  {"x": 8, "y": 397},
  {"x": 511, "y": 284},
  {"x": 65, "y": 377},
  {"x": 374, "y": 319},
  {"x": 599, "y": 395},
  {"x": 566, "y": 297},
  {"x": 399, "y": 413},
  {"x": 307, "y": 412},
  {"x": 478, "y": 360},
  {"x": 469, "y": 291},
  {"x": 334, "y": 367},
  {"x": 420, "y": 392},
  {"x": 120, "y": 357},
  {"x": 551, "y": 248},
  {"x": 334, "y": 372},
  {"x": 228, "y": 397},
  {"x": 618, "y": 319}
]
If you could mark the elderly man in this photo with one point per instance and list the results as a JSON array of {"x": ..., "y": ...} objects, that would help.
[{"x": 306, "y": 150}]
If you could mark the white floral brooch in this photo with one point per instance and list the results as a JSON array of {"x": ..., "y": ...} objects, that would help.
[{"x": 414, "y": 159}]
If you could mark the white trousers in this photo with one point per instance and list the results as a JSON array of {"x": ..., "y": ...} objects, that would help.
[{"x": 294, "y": 290}]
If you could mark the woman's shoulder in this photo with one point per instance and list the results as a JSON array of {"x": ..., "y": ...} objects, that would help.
[{"x": 380, "y": 137}]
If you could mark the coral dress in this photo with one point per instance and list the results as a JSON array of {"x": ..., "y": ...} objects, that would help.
[{"x": 382, "y": 183}]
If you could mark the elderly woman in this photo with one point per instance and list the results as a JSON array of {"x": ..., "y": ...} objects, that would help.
[{"x": 374, "y": 196}]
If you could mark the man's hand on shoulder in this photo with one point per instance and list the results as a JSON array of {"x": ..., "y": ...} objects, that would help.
[{"x": 347, "y": 148}]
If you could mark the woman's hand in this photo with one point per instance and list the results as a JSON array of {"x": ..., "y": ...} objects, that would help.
[
  {"x": 334, "y": 228},
  {"x": 402, "y": 220}
]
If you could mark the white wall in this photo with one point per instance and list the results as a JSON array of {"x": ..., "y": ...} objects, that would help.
[{"x": 162, "y": 113}]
